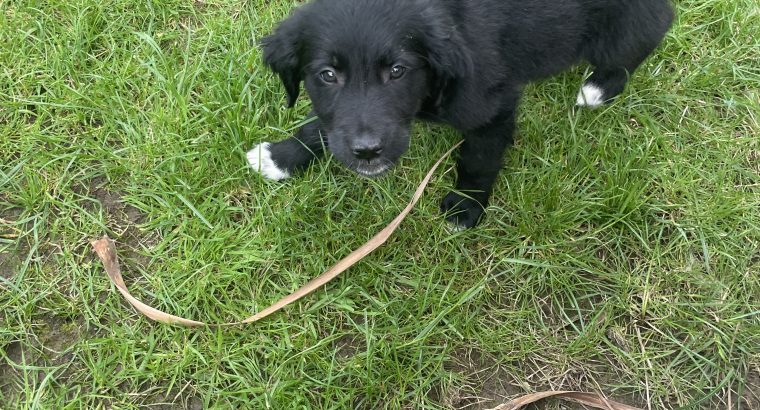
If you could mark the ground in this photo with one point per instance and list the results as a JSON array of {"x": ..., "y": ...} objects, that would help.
[{"x": 621, "y": 253}]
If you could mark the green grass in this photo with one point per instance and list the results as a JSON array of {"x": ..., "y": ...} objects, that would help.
[{"x": 621, "y": 252}]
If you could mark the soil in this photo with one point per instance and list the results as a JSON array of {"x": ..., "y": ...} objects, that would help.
[
  {"x": 10, "y": 259},
  {"x": 485, "y": 383},
  {"x": 750, "y": 398}
]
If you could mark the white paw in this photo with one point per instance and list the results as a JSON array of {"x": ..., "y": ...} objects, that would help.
[
  {"x": 261, "y": 161},
  {"x": 590, "y": 96},
  {"x": 454, "y": 228}
]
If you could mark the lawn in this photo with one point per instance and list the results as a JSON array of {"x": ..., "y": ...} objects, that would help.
[{"x": 621, "y": 252}]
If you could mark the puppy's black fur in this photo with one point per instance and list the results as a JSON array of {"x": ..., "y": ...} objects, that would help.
[{"x": 371, "y": 66}]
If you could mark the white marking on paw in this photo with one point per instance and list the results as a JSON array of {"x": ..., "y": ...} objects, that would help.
[
  {"x": 590, "y": 96},
  {"x": 261, "y": 161},
  {"x": 454, "y": 228}
]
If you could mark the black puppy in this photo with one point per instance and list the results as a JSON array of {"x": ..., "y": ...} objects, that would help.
[{"x": 371, "y": 67}]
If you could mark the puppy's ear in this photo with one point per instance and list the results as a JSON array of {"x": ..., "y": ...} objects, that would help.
[
  {"x": 447, "y": 52},
  {"x": 282, "y": 51}
]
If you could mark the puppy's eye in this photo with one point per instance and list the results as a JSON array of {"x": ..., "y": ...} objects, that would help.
[
  {"x": 329, "y": 76},
  {"x": 397, "y": 71}
]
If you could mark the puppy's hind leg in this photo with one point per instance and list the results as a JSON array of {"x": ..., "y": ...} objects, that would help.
[
  {"x": 622, "y": 36},
  {"x": 280, "y": 160}
]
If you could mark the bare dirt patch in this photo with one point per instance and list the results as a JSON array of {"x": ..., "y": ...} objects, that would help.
[
  {"x": 10, "y": 262},
  {"x": 750, "y": 398},
  {"x": 485, "y": 383},
  {"x": 347, "y": 346},
  {"x": 173, "y": 400},
  {"x": 122, "y": 219},
  {"x": 11, "y": 353},
  {"x": 56, "y": 335},
  {"x": 118, "y": 211},
  {"x": 11, "y": 257},
  {"x": 45, "y": 345}
]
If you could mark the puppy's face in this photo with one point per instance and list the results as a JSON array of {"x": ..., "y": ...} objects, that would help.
[
  {"x": 366, "y": 98},
  {"x": 367, "y": 66}
]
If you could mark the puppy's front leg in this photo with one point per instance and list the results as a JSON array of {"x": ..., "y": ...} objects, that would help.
[
  {"x": 280, "y": 160},
  {"x": 480, "y": 160}
]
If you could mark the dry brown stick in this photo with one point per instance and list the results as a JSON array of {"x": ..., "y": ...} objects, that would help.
[
  {"x": 589, "y": 399},
  {"x": 106, "y": 250}
]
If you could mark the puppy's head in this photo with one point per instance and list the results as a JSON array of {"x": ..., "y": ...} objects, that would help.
[{"x": 367, "y": 66}]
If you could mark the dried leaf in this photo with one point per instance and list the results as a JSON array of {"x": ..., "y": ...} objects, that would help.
[
  {"x": 106, "y": 250},
  {"x": 589, "y": 399}
]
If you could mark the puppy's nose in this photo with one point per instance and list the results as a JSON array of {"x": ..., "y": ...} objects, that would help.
[{"x": 366, "y": 149}]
